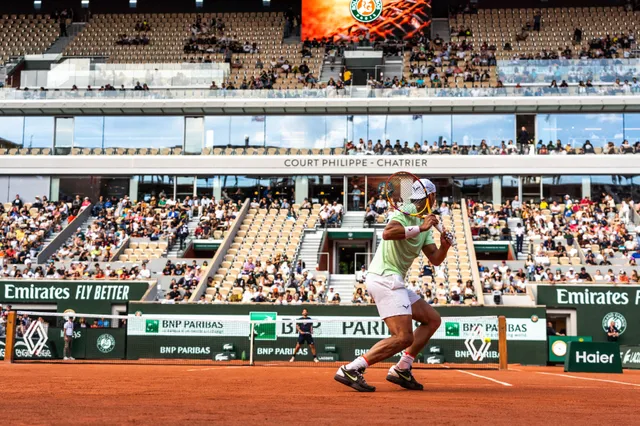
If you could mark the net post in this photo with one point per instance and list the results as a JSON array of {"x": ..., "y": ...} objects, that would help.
[
  {"x": 251, "y": 341},
  {"x": 11, "y": 337},
  {"x": 502, "y": 343}
]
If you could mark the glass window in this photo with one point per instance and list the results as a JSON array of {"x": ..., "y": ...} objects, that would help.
[
  {"x": 326, "y": 188},
  {"x": 509, "y": 188},
  {"x": 184, "y": 187},
  {"x": 618, "y": 186},
  {"x": 11, "y": 129},
  {"x": 494, "y": 128},
  {"x": 632, "y": 127},
  {"x": 475, "y": 188},
  {"x": 88, "y": 132},
  {"x": 194, "y": 135},
  {"x": 240, "y": 187},
  {"x": 234, "y": 131},
  {"x": 92, "y": 187},
  {"x": 155, "y": 186},
  {"x": 358, "y": 127},
  {"x": 38, "y": 132},
  {"x": 208, "y": 186},
  {"x": 531, "y": 191},
  {"x": 575, "y": 129},
  {"x": 300, "y": 131},
  {"x": 375, "y": 188},
  {"x": 143, "y": 132},
  {"x": 554, "y": 188},
  {"x": 64, "y": 135}
]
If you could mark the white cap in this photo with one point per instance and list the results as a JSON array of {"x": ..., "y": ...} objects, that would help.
[{"x": 418, "y": 188}]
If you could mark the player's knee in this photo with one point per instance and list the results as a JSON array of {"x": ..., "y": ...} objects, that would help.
[
  {"x": 435, "y": 321},
  {"x": 405, "y": 340}
]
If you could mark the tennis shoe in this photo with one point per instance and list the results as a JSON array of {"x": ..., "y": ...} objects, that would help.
[
  {"x": 354, "y": 379},
  {"x": 403, "y": 378}
]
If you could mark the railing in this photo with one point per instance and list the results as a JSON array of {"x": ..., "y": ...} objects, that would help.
[
  {"x": 354, "y": 92},
  {"x": 472, "y": 253}
]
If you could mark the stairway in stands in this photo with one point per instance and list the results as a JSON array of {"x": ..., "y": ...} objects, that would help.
[
  {"x": 440, "y": 26},
  {"x": 175, "y": 251},
  {"x": 310, "y": 248},
  {"x": 343, "y": 285},
  {"x": 62, "y": 42},
  {"x": 353, "y": 220}
]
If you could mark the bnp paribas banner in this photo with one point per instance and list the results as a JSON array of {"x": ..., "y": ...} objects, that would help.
[
  {"x": 271, "y": 326},
  {"x": 596, "y": 307},
  {"x": 87, "y": 297}
]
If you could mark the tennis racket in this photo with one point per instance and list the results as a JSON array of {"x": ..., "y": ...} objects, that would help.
[{"x": 407, "y": 194}]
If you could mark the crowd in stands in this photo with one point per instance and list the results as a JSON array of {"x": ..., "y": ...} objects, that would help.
[
  {"x": 275, "y": 281},
  {"x": 185, "y": 279},
  {"x": 25, "y": 226},
  {"x": 214, "y": 216},
  {"x": 522, "y": 145},
  {"x": 116, "y": 220},
  {"x": 568, "y": 232},
  {"x": 77, "y": 271}
]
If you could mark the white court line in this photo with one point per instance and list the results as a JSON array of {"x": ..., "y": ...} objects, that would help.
[
  {"x": 590, "y": 378},
  {"x": 216, "y": 368},
  {"x": 485, "y": 377}
]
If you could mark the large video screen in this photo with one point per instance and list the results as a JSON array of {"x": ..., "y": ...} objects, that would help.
[{"x": 347, "y": 19}]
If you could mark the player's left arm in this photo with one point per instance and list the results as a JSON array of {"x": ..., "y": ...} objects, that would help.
[{"x": 435, "y": 254}]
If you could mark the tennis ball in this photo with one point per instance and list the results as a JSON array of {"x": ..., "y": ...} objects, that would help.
[{"x": 487, "y": 339}]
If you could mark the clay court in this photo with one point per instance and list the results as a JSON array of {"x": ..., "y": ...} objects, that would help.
[{"x": 155, "y": 394}]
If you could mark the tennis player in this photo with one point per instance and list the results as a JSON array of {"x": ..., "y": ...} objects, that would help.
[
  {"x": 305, "y": 335},
  {"x": 402, "y": 240}
]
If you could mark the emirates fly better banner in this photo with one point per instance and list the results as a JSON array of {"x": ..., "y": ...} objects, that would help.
[{"x": 452, "y": 328}]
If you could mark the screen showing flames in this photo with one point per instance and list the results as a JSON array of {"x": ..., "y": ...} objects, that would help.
[{"x": 348, "y": 19}]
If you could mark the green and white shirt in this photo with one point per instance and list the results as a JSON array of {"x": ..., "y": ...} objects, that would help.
[{"x": 396, "y": 256}]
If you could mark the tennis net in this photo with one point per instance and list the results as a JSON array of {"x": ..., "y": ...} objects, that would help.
[{"x": 464, "y": 342}]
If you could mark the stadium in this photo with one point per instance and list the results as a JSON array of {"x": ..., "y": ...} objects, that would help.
[{"x": 179, "y": 181}]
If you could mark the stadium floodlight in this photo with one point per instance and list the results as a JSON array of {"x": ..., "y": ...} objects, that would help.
[
  {"x": 266, "y": 3},
  {"x": 84, "y": 4},
  {"x": 37, "y": 4},
  {"x": 199, "y": 4},
  {"x": 133, "y": 4}
]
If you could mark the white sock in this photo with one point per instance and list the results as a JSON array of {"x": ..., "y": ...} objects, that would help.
[
  {"x": 406, "y": 361},
  {"x": 357, "y": 364}
]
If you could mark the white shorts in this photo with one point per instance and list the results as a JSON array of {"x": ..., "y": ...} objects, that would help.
[{"x": 390, "y": 294}]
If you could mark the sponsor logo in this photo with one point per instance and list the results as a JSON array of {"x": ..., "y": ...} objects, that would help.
[
  {"x": 45, "y": 292},
  {"x": 468, "y": 354},
  {"x": 559, "y": 348},
  {"x": 280, "y": 351},
  {"x": 477, "y": 353},
  {"x": 227, "y": 347},
  {"x": 152, "y": 326},
  {"x": 630, "y": 356},
  {"x": 106, "y": 343},
  {"x": 185, "y": 350},
  {"x": 35, "y": 331},
  {"x": 452, "y": 329},
  {"x": 21, "y": 351},
  {"x": 591, "y": 297},
  {"x": 222, "y": 357},
  {"x": 435, "y": 349},
  {"x": 618, "y": 319},
  {"x": 434, "y": 360},
  {"x": 365, "y": 10},
  {"x": 593, "y": 358}
]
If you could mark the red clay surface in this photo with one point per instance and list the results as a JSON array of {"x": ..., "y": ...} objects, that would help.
[{"x": 83, "y": 394}]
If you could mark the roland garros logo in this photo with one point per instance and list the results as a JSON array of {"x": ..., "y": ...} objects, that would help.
[{"x": 366, "y": 10}]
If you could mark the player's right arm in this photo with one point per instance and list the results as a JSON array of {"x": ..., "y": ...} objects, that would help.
[{"x": 397, "y": 231}]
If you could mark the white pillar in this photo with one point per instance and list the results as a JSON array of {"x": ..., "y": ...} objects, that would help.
[
  {"x": 302, "y": 188},
  {"x": 133, "y": 189},
  {"x": 497, "y": 190},
  {"x": 586, "y": 186}
]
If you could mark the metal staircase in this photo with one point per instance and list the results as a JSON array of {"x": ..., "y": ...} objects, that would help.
[
  {"x": 353, "y": 220},
  {"x": 175, "y": 251}
]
